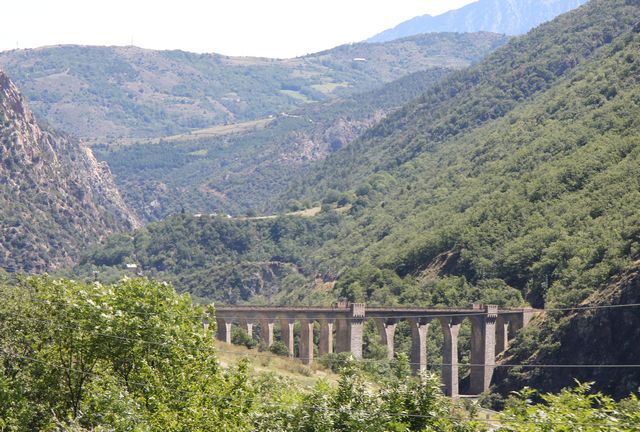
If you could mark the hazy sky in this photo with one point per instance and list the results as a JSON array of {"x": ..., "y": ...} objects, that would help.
[{"x": 271, "y": 28}]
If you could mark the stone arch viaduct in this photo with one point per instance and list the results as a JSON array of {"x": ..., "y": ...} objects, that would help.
[{"x": 491, "y": 329}]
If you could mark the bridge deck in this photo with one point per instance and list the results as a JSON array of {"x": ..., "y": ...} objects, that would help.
[{"x": 232, "y": 312}]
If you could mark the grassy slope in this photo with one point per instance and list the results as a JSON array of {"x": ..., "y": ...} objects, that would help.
[{"x": 293, "y": 370}]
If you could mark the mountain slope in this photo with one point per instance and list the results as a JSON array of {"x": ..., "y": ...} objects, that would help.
[
  {"x": 518, "y": 72},
  {"x": 518, "y": 177},
  {"x": 605, "y": 336},
  {"x": 107, "y": 92},
  {"x": 537, "y": 191},
  {"x": 55, "y": 198},
  {"x": 241, "y": 171},
  {"x": 512, "y": 17}
]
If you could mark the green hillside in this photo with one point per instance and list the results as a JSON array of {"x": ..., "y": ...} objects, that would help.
[
  {"x": 220, "y": 258},
  {"x": 102, "y": 93},
  {"x": 239, "y": 170},
  {"x": 525, "y": 68},
  {"x": 512, "y": 198},
  {"x": 517, "y": 177}
]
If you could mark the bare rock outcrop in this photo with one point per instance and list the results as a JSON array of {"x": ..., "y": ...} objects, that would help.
[{"x": 55, "y": 197}]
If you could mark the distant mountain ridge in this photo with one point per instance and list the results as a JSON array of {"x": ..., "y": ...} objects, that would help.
[
  {"x": 510, "y": 17},
  {"x": 102, "y": 93},
  {"x": 55, "y": 197}
]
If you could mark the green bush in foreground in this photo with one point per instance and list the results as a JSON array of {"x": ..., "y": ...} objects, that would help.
[
  {"x": 571, "y": 410},
  {"x": 129, "y": 356},
  {"x": 134, "y": 356}
]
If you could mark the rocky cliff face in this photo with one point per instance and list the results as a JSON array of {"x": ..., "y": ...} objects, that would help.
[{"x": 55, "y": 197}]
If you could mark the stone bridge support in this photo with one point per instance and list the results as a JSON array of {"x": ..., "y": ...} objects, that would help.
[
  {"x": 483, "y": 349},
  {"x": 306, "y": 341},
  {"x": 288, "y": 336},
  {"x": 508, "y": 324},
  {"x": 419, "y": 329},
  {"x": 223, "y": 330},
  {"x": 326, "y": 337},
  {"x": 266, "y": 330},
  {"x": 387, "y": 330},
  {"x": 247, "y": 326},
  {"x": 503, "y": 328},
  {"x": 349, "y": 331},
  {"x": 451, "y": 330}
]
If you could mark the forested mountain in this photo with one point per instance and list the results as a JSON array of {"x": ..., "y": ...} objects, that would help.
[
  {"x": 523, "y": 70},
  {"x": 109, "y": 92},
  {"x": 243, "y": 171},
  {"x": 55, "y": 198},
  {"x": 512, "y": 17},
  {"x": 516, "y": 177}
]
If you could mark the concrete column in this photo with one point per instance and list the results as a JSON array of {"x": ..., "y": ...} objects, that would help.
[
  {"x": 286, "y": 328},
  {"x": 342, "y": 335},
  {"x": 326, "y": 337},
  {"x": 451, "y": 330},
  {"x": 387, "y": 330},
  {"x": 502, "y": 334},
  {"x": 419, "y": 328},
  {"x": 306, "y": 341},
  {"x": 266, "y": 331},
  {"x": 247, "y": 326},
  {"x": 483, "y": 349},
  {"x": 356, "y": 338},
  {"x": 223, "y": 330},
  {"x": 349, "y": 331}
]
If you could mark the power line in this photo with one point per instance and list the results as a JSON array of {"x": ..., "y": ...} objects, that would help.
[
  {"x": 381, "y": 361},
  {"x": 418, "y": 316},
  {"x": 259, "y": 403},
  {"x": 168, "y": 344}
]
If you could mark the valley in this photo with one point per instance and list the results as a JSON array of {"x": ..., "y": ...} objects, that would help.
[
  {"x": 436, "y": 232},
  {"x": 115, "y": 92}
]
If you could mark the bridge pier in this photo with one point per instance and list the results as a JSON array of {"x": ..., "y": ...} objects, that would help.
[
  {"x": 387, "y": 330},
  {"x": 326, "y": 337},
  {"x": 419, "y": 328},
  {"x": 223, "y": 330},
  {"x": 451, "y": 330},
  {"x": 288, "y": 337},
  {"x": 306, "y": 341},
  {"x": 483, "y": 349},
  {"x": 349, "y": 331},
  {"x": 266, "y": 330},
  {"x": 502, "y": 334},
  {"x": 247, "y": 326}
]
